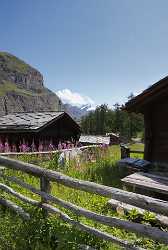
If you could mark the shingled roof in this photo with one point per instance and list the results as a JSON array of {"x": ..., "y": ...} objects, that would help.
[
  {"x": 28, "y": 121},
  {"x": 94, "y": 139},
  {"x": 148, "y": 96}
]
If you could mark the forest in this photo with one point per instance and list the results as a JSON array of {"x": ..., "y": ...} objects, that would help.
[{"x": 105, "y": 120}]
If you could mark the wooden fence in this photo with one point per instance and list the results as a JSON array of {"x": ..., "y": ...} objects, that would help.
[
  {"x": 47, "y": 202},
  {"x": 65, "y": 156},
  {"x": 47, "y": 152}
]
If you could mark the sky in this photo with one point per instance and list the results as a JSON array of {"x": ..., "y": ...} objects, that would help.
[{"x": 96, "y": 51}]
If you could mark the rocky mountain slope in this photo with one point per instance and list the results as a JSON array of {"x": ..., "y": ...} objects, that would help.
[{"x": 22, "y": 88}]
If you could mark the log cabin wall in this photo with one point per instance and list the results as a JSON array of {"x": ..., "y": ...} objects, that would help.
[
  {"x": 156, "y": 132},
  {"x": 62, "y": 129},
  {"x": 148, "y": 136},
  {"x": 160, "y": 131},
  {"x": 153, "y": 103}
]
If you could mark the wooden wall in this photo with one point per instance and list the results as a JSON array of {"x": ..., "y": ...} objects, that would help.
[{"x": 156, "y": 132}]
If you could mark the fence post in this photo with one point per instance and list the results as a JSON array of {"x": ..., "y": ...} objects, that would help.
[
  {"x": 125, "y": 151},
  {"x": 45, "y": 187}
]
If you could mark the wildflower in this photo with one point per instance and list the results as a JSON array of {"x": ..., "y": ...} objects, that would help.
[
  {"x": 14, "y": 148},
  {"x": 40, "y": 147},
  {"x": 51, "y": 147},
  {"x": 1, "y": 147},
  {"x": 59, "y": 146},
  {"x": 6, "y": 147},
  {"x": 33, "y": 147},
  {"x": 64, "y": 146}
]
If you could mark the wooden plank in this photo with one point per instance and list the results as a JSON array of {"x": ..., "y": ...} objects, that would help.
[
  {"x": 21, "y": 197},
  {"x": 142, "y": 201},
  {"x": 105, "y": 236},
  {"x": 121, "y": 206},
  {"x": 49, "y": 208},
  {"x": 45, "y": 187},
  {"x": 11, "y": 205},
  {"x": 148, "y": 181}
]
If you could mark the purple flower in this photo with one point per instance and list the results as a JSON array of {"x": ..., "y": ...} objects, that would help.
[
  {"x": 59, "y": 146},
  {"x": 40, "y": 148},
  {"x": 33, "y": 147},
  {"x": 1, "y": 147},
  {"x": 14, "y": 148},
  {"x": 6, "y": 147},
  {"x": 51, "y": 146},
  {"x": 24, "y": 147},
  {"x": 64, "y": 146}
]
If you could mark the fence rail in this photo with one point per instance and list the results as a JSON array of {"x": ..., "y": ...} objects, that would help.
[
  {"x": 47, "y": 152},
  {"x": 46, "y": 176}
]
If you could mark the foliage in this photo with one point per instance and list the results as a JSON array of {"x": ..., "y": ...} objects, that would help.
[
  {"x": 105, "y": 120},
  {"x": 8, "y": 86},
  {"x": 13, "y": 63},
  {"x": 51, "y": 233}
]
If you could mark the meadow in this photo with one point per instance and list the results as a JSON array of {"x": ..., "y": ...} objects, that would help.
[{"x": 51, "y": 233}]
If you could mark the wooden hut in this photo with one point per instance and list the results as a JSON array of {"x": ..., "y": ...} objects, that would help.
[
  {"x": 45, "y": 127},
  {"x": 153, "y": 103},
  {"x": 114, "y": 138},
  {"x": 94, "y": 140}
]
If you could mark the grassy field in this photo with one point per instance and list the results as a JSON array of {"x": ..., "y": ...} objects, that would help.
[{"x": 51, "y": 233}]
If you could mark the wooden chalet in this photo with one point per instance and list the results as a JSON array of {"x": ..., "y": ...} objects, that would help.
[
  {"x": 153, "y": 103},
  {"x": 114, "y": 138},
  {"x": 46, "y": 127}
]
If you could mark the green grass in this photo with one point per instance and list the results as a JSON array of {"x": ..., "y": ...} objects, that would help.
[
  {"x": 14, "y": 63},
  {"x": 51, "y": 233},
  {"x": 11, "y": 87}
]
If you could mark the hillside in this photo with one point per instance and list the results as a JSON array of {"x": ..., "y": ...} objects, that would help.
[{"x": 22, "y": 88}]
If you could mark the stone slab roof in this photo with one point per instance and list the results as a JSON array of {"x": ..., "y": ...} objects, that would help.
[
  {"x": 27, "y": 121},
  {"x": 93, "y": 139}
]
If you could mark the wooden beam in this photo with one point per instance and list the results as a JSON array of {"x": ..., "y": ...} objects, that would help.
[
  {"x": 11, "y": 205},
  {"x": 91, "y": 230},
  {"x": 145, "y": 230},
  {"x": 126, "y": 208},
  {"x": 147, "y": 181},
  {"x": 63, "y": 216},
  {"x": 44, "y": 187},
  {"x": 142, "y": 201}
]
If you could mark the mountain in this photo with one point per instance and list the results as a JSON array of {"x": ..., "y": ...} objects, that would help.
[
  {"x": 76, "y": 112},
  {"x": 22, "y": 88}
]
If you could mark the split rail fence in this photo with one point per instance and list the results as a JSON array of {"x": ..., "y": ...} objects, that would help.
[{"x": 48, "y": 201}]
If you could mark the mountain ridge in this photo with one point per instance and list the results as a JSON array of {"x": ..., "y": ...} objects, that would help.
[{"x": 22, "y": 88}]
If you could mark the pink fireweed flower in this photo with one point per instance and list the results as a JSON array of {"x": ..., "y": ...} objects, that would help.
[
  {"x": 33, "y": 147},
  {"x": 14, "y": 148},
  {"x": 40, "y": 147},
  {"x": 68, "y": 145},
  {"x": 64, "y": 146},
  {"x": 1, "y": 147},
  {"x": 51, "y": 147},
  {"x": 59, "y": 146},
  {"x": 24, "y": 147},
  {"x": 104, "y": 146},
  {"x": 6, "y": 147}
]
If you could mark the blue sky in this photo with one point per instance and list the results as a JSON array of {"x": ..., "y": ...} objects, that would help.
[{"x": 103, "y": 49}]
